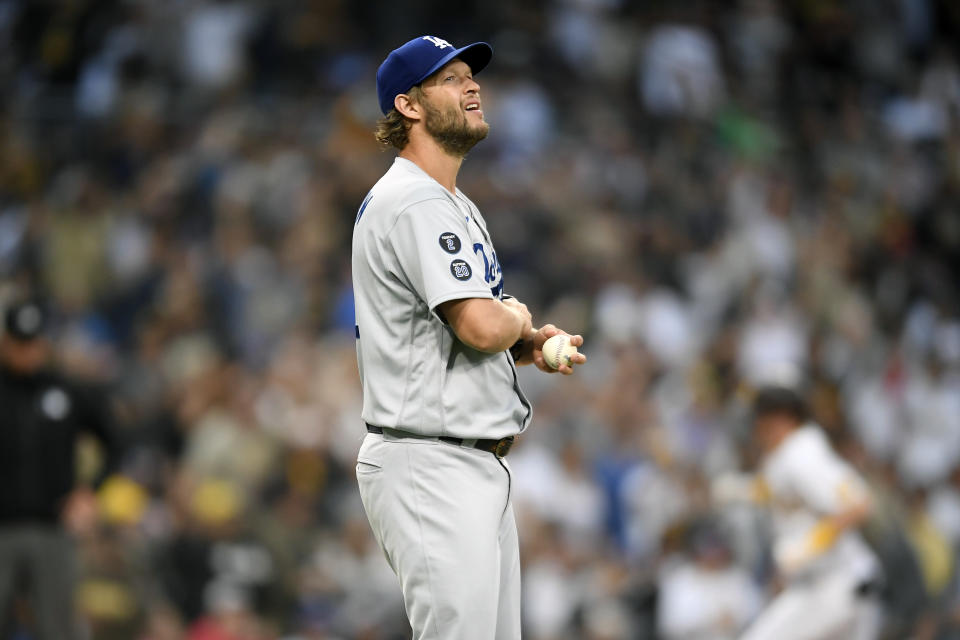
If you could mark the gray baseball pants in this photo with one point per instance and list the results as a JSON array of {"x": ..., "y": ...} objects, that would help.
[
  {"x": 443, "y": 517},
  {"x": 44, "y": 555}
]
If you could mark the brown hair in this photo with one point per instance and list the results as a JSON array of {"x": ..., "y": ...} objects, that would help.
[{"x": 393, "y": 129}]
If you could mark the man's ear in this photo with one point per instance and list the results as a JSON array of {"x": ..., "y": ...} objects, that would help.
[{"x": 407, "y": 107}]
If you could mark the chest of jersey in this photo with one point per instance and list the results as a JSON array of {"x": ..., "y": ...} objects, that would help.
[{"x": 481, "y": 246}]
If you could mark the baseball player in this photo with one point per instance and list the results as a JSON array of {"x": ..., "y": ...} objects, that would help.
[
  {"x": 438, "y": 344},
  {"x": 817, "y": 502}
]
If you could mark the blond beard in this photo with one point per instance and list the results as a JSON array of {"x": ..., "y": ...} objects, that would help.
[{"x": 451, "y": 130}]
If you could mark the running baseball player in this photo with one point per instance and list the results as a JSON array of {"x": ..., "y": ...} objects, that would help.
[
  {"x": 817, "y": 503},
  {"x": 438, "y": 344}
]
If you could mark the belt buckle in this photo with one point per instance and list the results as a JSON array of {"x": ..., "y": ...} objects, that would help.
[{"x": 503, "y": 446}]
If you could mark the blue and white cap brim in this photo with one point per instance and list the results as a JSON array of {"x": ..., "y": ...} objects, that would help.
[{"x": 476, "y": 55}]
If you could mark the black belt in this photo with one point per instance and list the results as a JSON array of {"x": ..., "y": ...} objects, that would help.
[{"x": 499, "y": 448}]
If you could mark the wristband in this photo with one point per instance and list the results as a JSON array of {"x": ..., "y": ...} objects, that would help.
[{"x": 517, "y": 350}]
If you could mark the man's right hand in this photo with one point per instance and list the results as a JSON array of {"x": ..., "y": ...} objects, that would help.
[
  {"x": 543, "y": 334},
  {"x": 524, "y": 314},
  {"x": 80, "y": 512}
]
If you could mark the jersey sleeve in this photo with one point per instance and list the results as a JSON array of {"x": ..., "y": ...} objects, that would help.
[
  {"x": 432, "y": 245},
  {"x": 824, "y": 480}
]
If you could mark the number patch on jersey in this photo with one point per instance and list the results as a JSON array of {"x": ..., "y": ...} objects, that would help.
[
  {"x": 460, "y": 270},
  {"x": 450, "y": 242}
]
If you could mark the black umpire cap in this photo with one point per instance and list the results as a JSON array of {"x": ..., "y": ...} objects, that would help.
[
  {"x": 779, "y": 400},
  {"x": 25, "y": 320}
]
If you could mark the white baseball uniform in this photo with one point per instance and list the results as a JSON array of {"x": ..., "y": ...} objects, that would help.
[
  {"x": 441, "y": 512},
  {"x": 808, "y": 481}
]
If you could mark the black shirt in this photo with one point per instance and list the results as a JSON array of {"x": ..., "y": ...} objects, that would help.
[{"x": 41, "y": 417}]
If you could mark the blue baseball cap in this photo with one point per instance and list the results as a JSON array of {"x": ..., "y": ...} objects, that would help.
[{"x": 415, "y": 61}]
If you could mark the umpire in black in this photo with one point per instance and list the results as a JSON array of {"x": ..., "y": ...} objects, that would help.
[{"x": 42, "y": 413}]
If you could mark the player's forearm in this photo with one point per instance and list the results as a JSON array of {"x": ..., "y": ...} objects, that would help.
[
  {"x": 825, "y": 534},
  {"x": 486, "y": 325},
  {"x": 793, "y": 556},
  {"x": 504, "y": 330},
  {"x": 735, "y": 487}
]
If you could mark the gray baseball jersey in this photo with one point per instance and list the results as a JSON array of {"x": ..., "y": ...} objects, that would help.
[{"x": 416, "y": 245}]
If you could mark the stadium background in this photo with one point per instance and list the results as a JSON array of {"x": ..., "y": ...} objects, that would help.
[{"x": 705, "y": 190}]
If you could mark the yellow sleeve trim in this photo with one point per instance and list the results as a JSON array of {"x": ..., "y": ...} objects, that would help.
[
  {"x": 823, "y": 535},
  {"x": 760, "y": 491}
]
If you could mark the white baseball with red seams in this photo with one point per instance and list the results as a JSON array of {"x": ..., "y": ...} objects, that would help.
[{"x": 558, "y": 350}]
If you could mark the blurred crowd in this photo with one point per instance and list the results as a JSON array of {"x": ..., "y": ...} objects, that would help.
[{"x": 715, "y": 194}]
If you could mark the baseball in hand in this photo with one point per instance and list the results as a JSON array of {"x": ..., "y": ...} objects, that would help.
[{"x": 558, "y": 350}]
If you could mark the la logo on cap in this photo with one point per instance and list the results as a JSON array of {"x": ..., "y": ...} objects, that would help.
[{"x": 438, "y": 42}]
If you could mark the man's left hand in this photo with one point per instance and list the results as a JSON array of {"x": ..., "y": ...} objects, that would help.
[{"x": 541, "y": 335}]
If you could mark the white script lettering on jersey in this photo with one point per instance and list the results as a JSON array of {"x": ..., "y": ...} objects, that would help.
[{"x": 439, "y": 42}]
